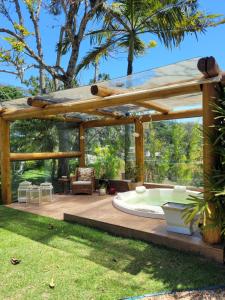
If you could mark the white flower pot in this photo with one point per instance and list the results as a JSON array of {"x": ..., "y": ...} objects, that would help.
[{"x": 102, "y": 191}]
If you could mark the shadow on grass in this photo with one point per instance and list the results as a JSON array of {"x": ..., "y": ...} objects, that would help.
[{"x": 175, "y": 269}]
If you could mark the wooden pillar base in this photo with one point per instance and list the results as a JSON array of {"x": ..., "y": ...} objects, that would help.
[{"x": 5, "y": 161}]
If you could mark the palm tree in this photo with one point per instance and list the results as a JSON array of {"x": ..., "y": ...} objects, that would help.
[{"x": 127, "y": 21}]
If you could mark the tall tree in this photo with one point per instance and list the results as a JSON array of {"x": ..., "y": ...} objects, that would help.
[
  {"x": 19, "y": 52},
  {"x": 127, "y": 21}
]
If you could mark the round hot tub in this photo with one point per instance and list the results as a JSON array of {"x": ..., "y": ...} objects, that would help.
[{"x": 147, "y": 202}]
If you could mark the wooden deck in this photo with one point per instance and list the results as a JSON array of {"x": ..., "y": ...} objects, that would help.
[{"x": 98, "y": 212}]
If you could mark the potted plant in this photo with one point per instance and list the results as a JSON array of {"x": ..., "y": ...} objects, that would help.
[
  {"x": 208, "y": 215},
  {"x": 132, "y": 174},
  {"x": 210, "y": 209},
  {"x": 102, "y": 190}
]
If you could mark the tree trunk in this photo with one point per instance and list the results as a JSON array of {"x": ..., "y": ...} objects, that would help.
[
  {"x": 96, "y": 71},
  {"x": 53, "y": 170},
  {"x": 127, "y": 145},
  {"x": 42, "y": 80},
  {"x": 59, "y": 56},
  {"x": 128, "y": 126},
  {"x": 63, "y": 135},
  {"x": 130, "y": 57},
  {"x": 35, "y": 19}
]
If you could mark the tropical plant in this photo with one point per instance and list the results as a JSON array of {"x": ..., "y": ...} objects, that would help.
[
  {"x": 127, "y": 21},
  {"x": 107, "y": 164},
  {"x": 212, "y": 209}
]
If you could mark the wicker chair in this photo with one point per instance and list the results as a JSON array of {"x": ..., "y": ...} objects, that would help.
[{"x": 83, "y": 182}]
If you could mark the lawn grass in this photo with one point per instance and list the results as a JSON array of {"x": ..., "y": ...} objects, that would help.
[{"x": 89, "y": 264}]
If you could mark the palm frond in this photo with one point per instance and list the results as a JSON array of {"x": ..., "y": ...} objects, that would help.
[{"x": 91, "y": 56}]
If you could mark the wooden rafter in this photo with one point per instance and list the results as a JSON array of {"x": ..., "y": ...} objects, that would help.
[
  {"x": 61, "y": 119},
  {"x": 104, "y": 91},
  {"x": 114, "y": 100},
  {"x": 154, "y": 106},
  {"x": 107, "y": 114},
  {"x": 192, "y": 113}
]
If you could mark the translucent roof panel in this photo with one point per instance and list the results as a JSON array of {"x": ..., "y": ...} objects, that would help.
[{"x": 176, "y": 73}]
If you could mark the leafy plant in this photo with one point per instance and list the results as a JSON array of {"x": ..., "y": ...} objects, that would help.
[
  {"x": 107, "y": 164},
  {"x": 132, "y": 172},
  {"x": 212, "y": 210}
]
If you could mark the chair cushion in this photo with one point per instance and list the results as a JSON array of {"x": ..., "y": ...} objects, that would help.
[
  {"x": 84, "y": 174},
  {"x": 81, "y": 182}
]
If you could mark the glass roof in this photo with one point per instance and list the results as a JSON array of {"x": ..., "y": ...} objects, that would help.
[{"x": 176, "y": 73}]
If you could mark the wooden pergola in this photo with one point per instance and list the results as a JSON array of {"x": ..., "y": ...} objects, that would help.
[{"x": 107, "y": 104}]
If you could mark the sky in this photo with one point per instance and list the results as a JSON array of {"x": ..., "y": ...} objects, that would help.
[{"x": 210, "y": 43}]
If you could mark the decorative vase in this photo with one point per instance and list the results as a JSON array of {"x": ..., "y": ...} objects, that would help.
[{"x": 102, "y": 191}]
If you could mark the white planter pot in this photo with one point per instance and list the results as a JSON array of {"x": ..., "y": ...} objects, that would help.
[
  {"x": 173, "y": 215},
  {"x": 102, "y": 191}
]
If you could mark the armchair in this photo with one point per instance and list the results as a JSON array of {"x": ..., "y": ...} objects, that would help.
[{"x": 83, "y": 182}]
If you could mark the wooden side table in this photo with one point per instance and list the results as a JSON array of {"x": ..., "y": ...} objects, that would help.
[{"x": 65, "y": 184}]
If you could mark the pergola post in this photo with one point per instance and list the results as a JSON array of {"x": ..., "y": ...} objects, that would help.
[
  {"x": 5, "y": 161},
  {"x": 82, "y": 145},
  {"x": 209, "y": 97},
  {"x": 139, "y": 149}
]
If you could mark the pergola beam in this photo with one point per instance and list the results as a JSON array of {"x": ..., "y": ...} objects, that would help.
[
  {"x": 192, "y": 113},
  {"x": 104, "y": 91},
  {"x": 154, "y": 106},
  {"x": 59, "y": 118},
  {"x": 41, "y": 102},
  {"x": 114, "y": 100},
  {"x": 43, "y": 155},
  {"x": 101, "y": 113}
]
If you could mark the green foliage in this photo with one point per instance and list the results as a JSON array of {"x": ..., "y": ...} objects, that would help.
[
  {"x": 10, "y": 92},
  {"x": 126, "y": 21},
  {"x": 157, "y": 164},
  {"x": 15, "y": 44},
  {"x": 21, "y": 29},
  {"x": 174, "y": 153},
  {"x": 107, "y": 164},
  {"x": 195, "y": 209},
  {"x": 215, "y": 205},
  {"x": 5, "y": 56}
]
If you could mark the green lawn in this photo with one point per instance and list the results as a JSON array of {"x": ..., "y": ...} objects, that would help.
[{"x": 88, "y": 264}]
